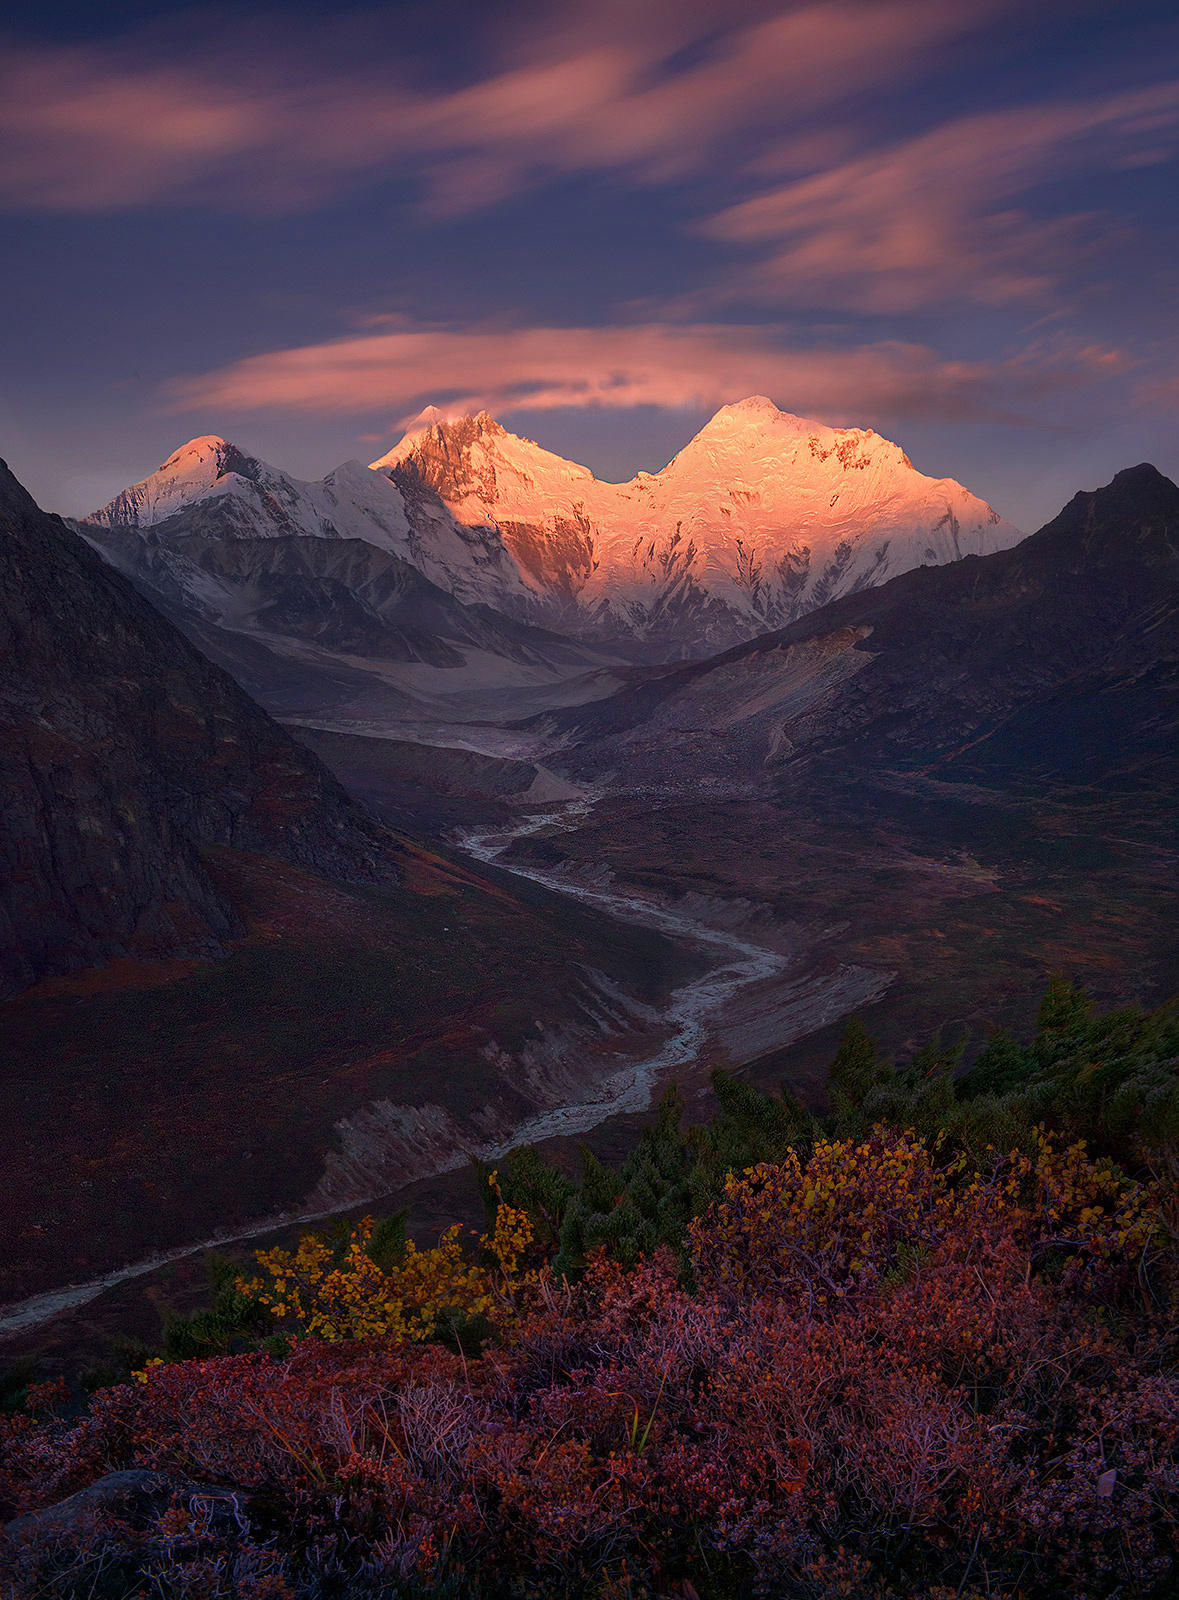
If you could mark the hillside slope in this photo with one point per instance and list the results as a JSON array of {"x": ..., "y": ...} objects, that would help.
[
  {"x": 126, "y": 754},
  {"x": 942, "y": 666}
]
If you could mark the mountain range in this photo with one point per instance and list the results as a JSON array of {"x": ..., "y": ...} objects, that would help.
[
  {"x": 469, "y": 563},
  {"x": 307, "y": 591},
  {"x": 933, "y": 763},
  {"x": 762, "y": 517}
]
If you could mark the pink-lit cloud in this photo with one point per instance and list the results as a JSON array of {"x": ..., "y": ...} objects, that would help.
[
  {"x": 653, "y": 91},
  {"x": 283, "y": 123},
  {"x": 397, "y": 369},
  {"x": 1159, "y": 391},
  {"x": 938, "y": 218}
]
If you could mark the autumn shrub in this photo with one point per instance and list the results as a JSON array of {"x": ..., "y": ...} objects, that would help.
[
  {"x": 823, "y": 1227},
  {"x": 887, "y": 1372},
  {"x": 346, "y": 1290}
]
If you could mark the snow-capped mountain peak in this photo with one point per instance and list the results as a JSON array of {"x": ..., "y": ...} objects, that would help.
[
  {"x": 197, "y": 450},
  {"x": 743, "y": 413},
  {"x": 435, "y": 425},
  {"x": 258, "y": 501},
  {"x": 469, "y": 436},
  {"x": 190, "y": 473},
  {"x": 760, "y": 517},
  {"x": 756, "y": 430}
]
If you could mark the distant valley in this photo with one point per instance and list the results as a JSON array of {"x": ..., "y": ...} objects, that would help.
[
  {"x": 233, "y": 990},
  {"x": 533, "y": 792}
]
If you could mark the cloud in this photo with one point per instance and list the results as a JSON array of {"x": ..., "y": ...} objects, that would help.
[
  {"x": 276, "y": 121},
  {"x": 396, "y": 370},
  {"x": 1159, "y": 392},
  {"x": 935, "y": 219}
]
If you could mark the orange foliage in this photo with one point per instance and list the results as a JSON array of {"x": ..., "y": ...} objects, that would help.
[
  {"x": 319, "y": 1291},
  {"x": 891, "y": 1378}
]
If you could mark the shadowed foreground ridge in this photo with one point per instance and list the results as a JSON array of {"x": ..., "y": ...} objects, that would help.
[{"x": 124, "y": 753}]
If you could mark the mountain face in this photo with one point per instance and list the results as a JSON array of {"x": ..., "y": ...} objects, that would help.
[
  {"x": 763, "y": 517},
  {"x": 345, "y": 595},
  {"x": 125, "y": 755},
  {"x": 1034, "y": 663},
  {"x": 311, "y": 593},
  {"x": 242, "y": 497}
]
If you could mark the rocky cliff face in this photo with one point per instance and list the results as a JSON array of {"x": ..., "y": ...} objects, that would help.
[
  {"x": 124, "y": 754},
  {"x": 346, "y": 595}
]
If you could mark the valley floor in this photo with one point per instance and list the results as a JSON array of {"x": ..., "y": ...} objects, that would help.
[
  {"x": 917, "y": 905},
  {"x": 752, "y": 993},
  {"x": 960, "y": 902}
]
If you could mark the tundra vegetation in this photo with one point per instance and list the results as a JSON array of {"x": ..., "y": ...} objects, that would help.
[{"x": 923, "y": 1345}]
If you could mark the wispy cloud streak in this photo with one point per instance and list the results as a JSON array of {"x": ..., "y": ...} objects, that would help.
[
  {"x": 397, "y": 370},
  {"x": 938, "y": 218},
  {"x": 653, "y": 89}
]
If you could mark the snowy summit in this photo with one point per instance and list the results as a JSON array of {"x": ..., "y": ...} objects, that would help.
[{"x": 760, "y": 518}]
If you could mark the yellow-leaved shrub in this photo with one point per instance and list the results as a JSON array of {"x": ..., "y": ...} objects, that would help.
[
  {"x": 326, "y": 1292},
  {"x": 845, "y": 1216}
]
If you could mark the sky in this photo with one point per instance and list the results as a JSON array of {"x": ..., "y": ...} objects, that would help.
[{"x": 296, "y": 226}]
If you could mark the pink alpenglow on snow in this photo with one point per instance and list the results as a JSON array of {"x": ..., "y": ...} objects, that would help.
[{"x": 760, "y": 518}]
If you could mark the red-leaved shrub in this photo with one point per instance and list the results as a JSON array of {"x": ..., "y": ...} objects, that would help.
[{"x": 885, "y": 1379}]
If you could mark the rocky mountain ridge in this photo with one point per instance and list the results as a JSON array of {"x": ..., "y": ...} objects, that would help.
[
  {"x": 762, "y": 517},
  {"x": 125, "y": 756},
  {"x": 254, "y": 500}
]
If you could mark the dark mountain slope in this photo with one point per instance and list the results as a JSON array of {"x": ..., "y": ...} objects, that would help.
[
  {"x": 342, "y": 593},
  {"x": 915, "y": 673},
  {"x": 124, "y": 755},
  {"x": 965, "y": 779}
]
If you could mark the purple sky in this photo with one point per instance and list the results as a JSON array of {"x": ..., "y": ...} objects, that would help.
[{"x": 953, "y": 222}]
